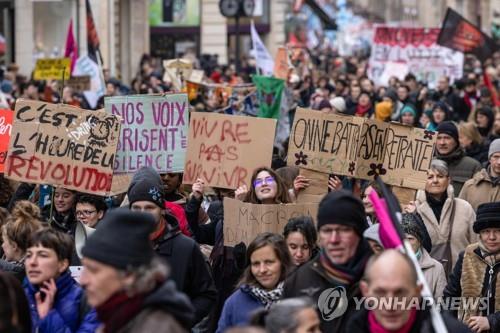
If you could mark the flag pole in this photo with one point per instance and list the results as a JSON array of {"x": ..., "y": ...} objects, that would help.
[{"x": 388, "y": 213}]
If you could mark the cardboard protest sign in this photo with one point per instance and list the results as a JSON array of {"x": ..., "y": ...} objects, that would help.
[
  {"x": 5, "y": 131},
  {"x": 404, "y": 195},
  {"x": 197, "y": 75},
  {"x": 324, "y": 142},
  {"x": 224, "y": 150},
  {"x": 177, "y": 71},
  {"x": 361, "y": 148},
  {"x": 59, "y": 144},
  {"x": 398, "y": 51},
  {"x": 52, "y": 69},
  {"x": 153, "y": 131},
  {"x": 318, "y": 186},
  {"x": 244, "y": 221},
  {"x": 79, "y": 83}
]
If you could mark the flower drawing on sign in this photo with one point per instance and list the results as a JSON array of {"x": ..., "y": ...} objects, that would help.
[
  {"x": 429, "y": 134},
  {"x": 155, "y": 193},
  {"x": 376, "y": 170},
  {"x": 301, "y": 158},
  {"x": 352, "y": 167}
]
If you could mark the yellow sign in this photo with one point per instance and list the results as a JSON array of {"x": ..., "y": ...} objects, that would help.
[{"x": 52, "y": 69}]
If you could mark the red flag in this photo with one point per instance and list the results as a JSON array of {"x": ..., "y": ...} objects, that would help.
[
  {"x": 491, "y": 88},
  {"x": 71, "y": 47},
  {"x": 92, "y": 38}
]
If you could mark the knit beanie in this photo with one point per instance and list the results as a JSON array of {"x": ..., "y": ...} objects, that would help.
[
  {"x": 338, "y": 103},
  {"x": 494, "y": 147},
  {"x": 443, "y": 106},
  {"x": 448, "y": 127},
  {"x": 324, "y": 104},
  {"x": 372, "y": 233},
  {"x": 121, "y": 239},
  {"x": 146, "y": 185},
  {"x": 383, "y": 110},
  {"x": 488, "y": 216},
  {"x": 342, "y": 207},
  {"x": 412, "y": 223},
  {"x": 409, "y": 108}
]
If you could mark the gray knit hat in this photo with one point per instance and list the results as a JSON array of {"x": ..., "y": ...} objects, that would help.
[{"x": 494, "y": 147}]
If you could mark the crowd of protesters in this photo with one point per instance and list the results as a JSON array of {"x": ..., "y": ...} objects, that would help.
[{"x": 154, "y": 258}]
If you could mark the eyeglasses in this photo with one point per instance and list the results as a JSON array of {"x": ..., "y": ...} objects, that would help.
[
  {"x": 85, "y": 213},
  {"x": 260, "y": 182}
]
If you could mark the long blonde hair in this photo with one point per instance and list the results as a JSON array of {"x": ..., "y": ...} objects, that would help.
[{"x": 470, "y": 131}]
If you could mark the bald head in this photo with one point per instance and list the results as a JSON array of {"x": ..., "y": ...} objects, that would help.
[{"x": 391, "y": 263}]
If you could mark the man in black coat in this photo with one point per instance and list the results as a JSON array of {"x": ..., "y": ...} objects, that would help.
[
  {"x": 391, "y": 276},
  {"x": 336, "y": 271},
  {"x": 189, "y": 269}
]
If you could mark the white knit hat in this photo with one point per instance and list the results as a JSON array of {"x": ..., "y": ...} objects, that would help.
[{"x": 338, "y": 103}]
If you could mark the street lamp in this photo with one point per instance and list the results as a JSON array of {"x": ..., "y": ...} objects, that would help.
[{"x": 237, "y": 9}]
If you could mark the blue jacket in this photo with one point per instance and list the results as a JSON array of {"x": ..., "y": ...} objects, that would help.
[
  {"x": 238, "y": 309},
  {"x": 65, "y": 316}
]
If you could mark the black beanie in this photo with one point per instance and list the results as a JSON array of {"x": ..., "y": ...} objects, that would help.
[
  {"x": 342, "y": 207},
  {"x": 448, "y": 127},
  {"x": 121, "y": 239},
  {"x": 146, "y": 186},
  {"x": 412, "y": 223},
  {"x": 488, "y": 216}
]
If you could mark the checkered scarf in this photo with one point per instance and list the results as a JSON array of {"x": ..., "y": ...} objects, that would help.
[{"x": 267, "y": 297}]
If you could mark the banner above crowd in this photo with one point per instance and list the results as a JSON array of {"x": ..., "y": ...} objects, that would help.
[
  {"x": 153, "y": 131},
  {"x": 59, "y": 144},
  {"x": 398, "y": 51},
  {"x": 361, "y": 148},
  {"x": 224, "y": 150}
]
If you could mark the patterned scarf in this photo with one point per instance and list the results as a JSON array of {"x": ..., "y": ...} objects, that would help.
[
  {"x": 267, "y": 297},
  {"x": 490, "y": 258},
  {"x": 353, "y": 270}
]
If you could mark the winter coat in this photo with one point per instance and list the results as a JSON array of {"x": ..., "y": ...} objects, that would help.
[
  {"x": 480, "y": 189},
  {"x": 188, "y": 268},
  {"x": 462, "y": 233},
  {"x": 479, "y": 152},
  {"x": 66, "y": 315},
  {"x": 238, "y": 309},
  {"x": 164, "y": 311},
  {"x": 311, "y": 280},
  {"x": 423, "y": 323},
  {"x": 433, "y": 272},
  {"x": 471, "y": 278},
  {"x": 461, "y": 167}
]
